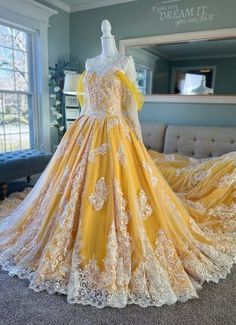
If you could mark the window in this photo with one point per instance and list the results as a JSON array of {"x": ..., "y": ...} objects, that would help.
[
  {"x": 144, "y": 79},
  {"x": 195, "y": 80},
  {"x": 16, "y": 123}
]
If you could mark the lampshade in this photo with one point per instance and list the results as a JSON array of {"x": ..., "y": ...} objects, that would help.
[{"x": 71, "y": 83}]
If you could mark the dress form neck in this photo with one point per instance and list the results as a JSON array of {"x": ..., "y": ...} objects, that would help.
[
  {"x": 108, "y": 41},
  {"x": 108, "y": 47},
  {"x": 109, "y": 58},
  {"x": 202, "y": 89}
]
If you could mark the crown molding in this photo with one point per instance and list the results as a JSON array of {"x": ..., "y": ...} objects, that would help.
[
  {"x": 26, "y": 8},
  {"x": 60, "y": 5},
  {"x": 85, "y": 5}
]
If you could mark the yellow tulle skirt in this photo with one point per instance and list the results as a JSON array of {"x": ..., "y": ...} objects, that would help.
[{"x": 109, "y": 224}]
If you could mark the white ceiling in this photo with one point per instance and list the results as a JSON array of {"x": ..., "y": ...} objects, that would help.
[{"x": 77, "y": 5}]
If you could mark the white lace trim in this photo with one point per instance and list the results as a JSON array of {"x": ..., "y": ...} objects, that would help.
[
  {"x": 149, "y": 285},
  {"x": 101, "y": 65}
]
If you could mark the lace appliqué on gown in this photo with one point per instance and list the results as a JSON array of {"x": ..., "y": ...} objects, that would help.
[
  {"x": 102, "y": 150},
  {"x": 227, "y": 180},
  {"x": 223, "y": 211},
  {"x": 98, "y": 198},
  {"x": 112, "y": 122},
  {"x": 170, "y": 261},
  {"x": 121, "y": 155},
  {"x": 144, "y": 209},
  {"x": 151, "y": 173},
  {"x": 119, "y": 62}
]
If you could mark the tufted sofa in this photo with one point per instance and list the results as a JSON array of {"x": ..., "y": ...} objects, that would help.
[
  {"x": 193, "y": 141},
  {"x": 19, "y": 164}
]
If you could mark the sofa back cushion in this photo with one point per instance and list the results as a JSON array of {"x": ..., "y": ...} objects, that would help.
[
  {"x": 198, "y": 141},
  {"x": 153, "y": 135}
]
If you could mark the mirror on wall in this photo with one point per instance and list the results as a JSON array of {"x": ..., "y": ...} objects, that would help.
[{"x": 200, "y": 67}]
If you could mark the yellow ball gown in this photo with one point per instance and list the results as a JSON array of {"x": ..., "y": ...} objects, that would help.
[{"x": 103, "y": 226}]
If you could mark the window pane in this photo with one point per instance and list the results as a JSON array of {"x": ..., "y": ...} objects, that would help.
[
  {"x": 5, "y": 36},
  {"x": 10, "y": 103},
  {"x": 19, "y": 40},
  {"x": 20, "y": 61},
  {"x": 6, "y": 58},
  {"x": 12, "y": 142},
  {"x": 2, "y": 146},
  {"x": 25, "y": 141},
  {"x": 24, "y": 120},
  {"x": 24, "y": 113},
  {"x": 1, "y": 125},
  {"x": 22, "y": 81},
  {"x": 23, "y": 104},
  {"x": 12, "y": 123},
  {"x": 15, "y": 120},
  {"x": 24, "y": 127},
  {"x": 7, "y": 81}
]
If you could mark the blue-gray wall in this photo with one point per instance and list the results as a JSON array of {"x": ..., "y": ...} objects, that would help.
[
  {"x": 162, "y": 77},
  {"x": 136, "y": 19},
  {"x": 58, "y": 45},
  {"x": 58, "y": 34}
]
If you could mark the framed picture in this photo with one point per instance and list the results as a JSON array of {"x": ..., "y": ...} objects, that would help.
[
  {"x": 68, "y": 123},
  {"x": 71, "y": 101},
  {"x": 72, "y": 113}
]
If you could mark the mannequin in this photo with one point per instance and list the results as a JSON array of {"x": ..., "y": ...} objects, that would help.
[
  {"x": 202, "y": 89},
  {"x": 109, "y": 48},
  {"x": 110, "y": 56},
  {"x": 110, "y": 59}
]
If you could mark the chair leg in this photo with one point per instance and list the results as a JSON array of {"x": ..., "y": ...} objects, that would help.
[
  {"x": 28, "y": 179},
  {"x": 4, "y": 189}
]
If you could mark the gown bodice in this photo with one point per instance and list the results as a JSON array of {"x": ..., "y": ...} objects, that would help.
[
  {"x": 104, "y": 94},
  {"x": 110, "y": 92}
]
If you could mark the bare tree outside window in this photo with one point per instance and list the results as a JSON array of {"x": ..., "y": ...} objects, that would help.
[{"x": 15, "y": 90}]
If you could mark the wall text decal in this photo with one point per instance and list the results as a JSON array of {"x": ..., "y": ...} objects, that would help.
[{"x": 173, "y": 11}]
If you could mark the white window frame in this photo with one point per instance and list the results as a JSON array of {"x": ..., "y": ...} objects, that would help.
[
  {"x": 34, "y": 17},
  {"x": 30, "y": 93},
  {"x": 148, "y": 81}
]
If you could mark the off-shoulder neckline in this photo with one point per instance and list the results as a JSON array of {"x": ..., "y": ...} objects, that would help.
[
  {"x": 110, "y": 69},
  {"x": 105, "y": 73}
]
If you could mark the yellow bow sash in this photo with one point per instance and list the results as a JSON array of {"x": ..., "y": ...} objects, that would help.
[
  {"x": 80, "y": 89},
  {"x": 138, "y": 96}
]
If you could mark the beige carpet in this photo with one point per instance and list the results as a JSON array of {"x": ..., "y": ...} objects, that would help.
[
  {"x": 19, "y": 305},
  {"x": 11, "y": 202}
]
